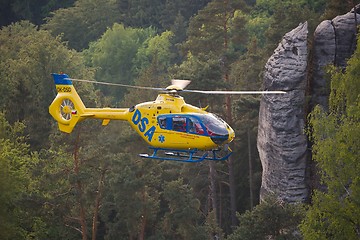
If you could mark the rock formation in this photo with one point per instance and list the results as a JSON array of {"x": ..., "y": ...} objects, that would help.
[
  {"x": 282, "y": 143},
  {"x": 334, "y": 43}
]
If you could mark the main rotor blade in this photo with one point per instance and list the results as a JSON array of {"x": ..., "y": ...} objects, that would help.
[
  {"x": 182, "y": 84},
  {"x": 116, "y": 84},
  {"x": 235, "y": 92}
]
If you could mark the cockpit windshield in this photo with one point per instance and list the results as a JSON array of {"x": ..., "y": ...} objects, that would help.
[{"x": 214, "y": 125}]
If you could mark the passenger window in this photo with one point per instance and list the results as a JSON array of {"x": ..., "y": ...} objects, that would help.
[
  {"x": 162, "y": 122},
  {"x": 179, "y": 124}
]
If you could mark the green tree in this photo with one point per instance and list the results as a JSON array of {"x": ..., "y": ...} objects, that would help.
[
  {"x": 32, "y": 10},
  {"x": 182, "y": 219},
  {"x": 210, "y": 187},
  {"x": 334, "y": 8},
  {"x": 203, "y": 71},
  {"x": 141, "y": 14},
  {"x": 247, "y": 163},
  {"x": 87, "y": 20},
  {"x": 209, "y": 30},
  {"x": 334, "y": 213},
  {"x": 70, "y": 181},
  {"x": 246, "y": 73},
  {"x": 158, "y": 14},
  {"x": 271, "y": 219},
  {"x": 270, "y": 20},
  {"x": 15, "y": 161},
  {"x": 83, "y": 23},
  {"x": 113, "y": 56},
  {"x": 213, "y": 40},
  {"x": 155, "y": 49},
  {"x": 153, "y": 75},
  {"x": 27, "y": 57},
  {"x": 176, "y": 17},
  {"x": 133, "y": 200},
  {"x": 184, "y": 8},
  {"x": 52, "y": 195}
]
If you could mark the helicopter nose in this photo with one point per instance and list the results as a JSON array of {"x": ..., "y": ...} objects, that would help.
[
  {"x": 231, "y": 134},
  {"x": 221, "y": 139}
]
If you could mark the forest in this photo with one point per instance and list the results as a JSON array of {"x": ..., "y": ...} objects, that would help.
[{"x": 91, "y": 184}]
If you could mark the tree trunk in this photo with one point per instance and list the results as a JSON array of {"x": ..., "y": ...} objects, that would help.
[
  {"x": 97, "y": 204},
  {"x": 213, "y": 195},
  {"x": 143, "y": 217},
  {"x": 250, "y": 173},
  {"x": 78, "y": 186},
  {"x": 232, "y": 192}
]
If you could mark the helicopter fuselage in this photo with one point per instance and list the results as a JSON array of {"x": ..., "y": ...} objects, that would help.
[{"x": 169, "y": 122}]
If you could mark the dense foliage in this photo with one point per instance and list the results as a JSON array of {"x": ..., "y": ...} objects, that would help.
[
  {"x": 91, "y": 183},
  {"x": 272, "y": 219},
  {"x": 336, "y": 136}
]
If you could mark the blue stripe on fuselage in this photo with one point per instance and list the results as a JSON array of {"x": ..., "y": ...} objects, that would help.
[{"x": 61, "y": 79}]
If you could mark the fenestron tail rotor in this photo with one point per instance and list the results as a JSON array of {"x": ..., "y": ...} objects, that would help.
[{"x": 67, "y": 108}]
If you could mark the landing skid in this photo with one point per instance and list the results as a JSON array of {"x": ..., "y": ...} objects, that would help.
[{"x": 192, "y": 155}]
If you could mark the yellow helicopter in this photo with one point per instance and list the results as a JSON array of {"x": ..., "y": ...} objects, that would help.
[{"x": 174, "y": 129}]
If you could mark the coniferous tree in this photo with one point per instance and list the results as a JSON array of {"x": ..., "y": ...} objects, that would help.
[
  {"x": 82, "y": 23},
  {"x": 12, "y": 11},
  {"x": 334, "y": 8},
  {"x": 271, "y": 219},
  {"x": 182, "y": 219}
]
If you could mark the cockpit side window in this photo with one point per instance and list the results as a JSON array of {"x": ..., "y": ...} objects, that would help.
[{"x": 194, "y": 126}]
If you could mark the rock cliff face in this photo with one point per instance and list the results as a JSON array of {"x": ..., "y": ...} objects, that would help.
[
  {"x": 281, "y": 140},
  {"x": 282, "y": 143}
]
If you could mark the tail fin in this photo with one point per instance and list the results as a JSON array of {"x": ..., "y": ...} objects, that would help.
[{"x": 67, "y": 108}]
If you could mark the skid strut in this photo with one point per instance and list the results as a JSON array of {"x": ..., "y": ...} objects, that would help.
[{"x": 191, "y": 155}]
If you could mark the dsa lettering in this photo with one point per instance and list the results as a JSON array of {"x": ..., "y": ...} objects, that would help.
[{"x": 142, "y": 124}]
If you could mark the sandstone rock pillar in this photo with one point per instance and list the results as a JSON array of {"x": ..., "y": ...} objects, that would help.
[{"x": 281, "y": 142}]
